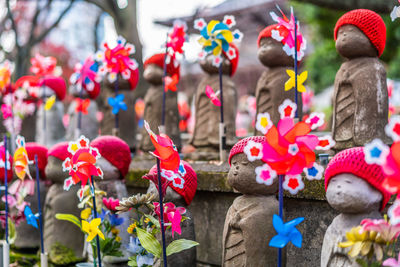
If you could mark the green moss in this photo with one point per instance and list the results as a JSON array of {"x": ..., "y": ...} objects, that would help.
[
  {"x": 24, "y": 259},
  {"x": 61, "y": 255},
  {"x": 134, "y": 178}
]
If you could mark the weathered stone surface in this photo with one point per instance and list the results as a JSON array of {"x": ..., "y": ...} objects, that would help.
[
  {"x": 89, "y": 122},
  {"x": 360, "y": 103},
  {"x": 55, "y": 130}
]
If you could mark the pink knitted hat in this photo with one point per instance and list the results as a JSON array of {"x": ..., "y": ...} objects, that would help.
[
  {"x": 115, "y": 150},
  {"x": 352, "y": 161},
  {"x": 189, "y": 187},
  {"x": 59, "y": 151},
  {"x": 41, "y": 152},
  {"x": 239, "y": 146}
]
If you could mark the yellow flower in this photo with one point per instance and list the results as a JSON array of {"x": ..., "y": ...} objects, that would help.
[
  {"x": 86, "y": 213},
  {"x": 131, "y": 228},
  {"x": 363, "y": 242},
  {"x": 92, "y": 229},
  {"x": 115, "y": 231},
  {"x": 118, "y": 239},
  {"x": 147, "y": 220}
]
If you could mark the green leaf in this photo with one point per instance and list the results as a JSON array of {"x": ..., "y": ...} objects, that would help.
[
  {"x": 70, "y": 218},
  {"x": 180, "y": 245},
  {"x": 12, "y": 233},
  {"x": 132, "y": 261},
  {"x": 153, "y": 220},
  {"x": 149, "y": 242}
]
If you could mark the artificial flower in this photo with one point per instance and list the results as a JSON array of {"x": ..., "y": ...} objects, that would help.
[
  {"x": 376, "y": 152},
  {"x": 6, "y": 110},
  {"x": 315, "y": 172},
  {"x": 264, "y": 122},
  {"x": 293, "y": 184},
  {"x": 393, "y": 128},
  {"x": 114, "y": 231},
  {"x": 168, "y": 208},
  {"x": 21, "y": 160},
  {"x": 85, "y": 196},
  {"x": 171, "y": 82},
  {"x": 154, "y": 178},
  {"x": 86, "y": 213},
  {"x": 291, "y": 83},
  {"x": 31, "y": 218},
  {"x": 287, "y": 109},
  {"x": 392, "y": 262},
  {"x": 213, "y": 96},
  {"x": 307, "y": 98},
  {"x": 111, "y": 203},
  {"x": 391, "y": 169},
  {"x": 143, "y": 258},
  {"x": 117, "y": 103},
  {"x": 253, "y": 150},
  {"x": 92, "y": 229},
  {"x": 175, "y": 218},
  {"x": 49, "y": 102},
  {"x": 265, "y": 175},
  {"x": 286, "y": 232},
  {"x": 315, "y": 120},
  {"x": 325, "y": 142},
  {"x": 386, "y": 231},
  {"x": 131, "y": 227},
  {"x": 82, "y": 105}
]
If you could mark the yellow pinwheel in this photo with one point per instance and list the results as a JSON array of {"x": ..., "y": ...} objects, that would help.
[
  {"x": 92, "y": 229},
  {"x": 216, "y": 37},
  {"x": 292, "y": 81},
  {"x": 49, "y": 102}
]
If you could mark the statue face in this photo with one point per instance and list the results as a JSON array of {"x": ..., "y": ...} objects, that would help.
[
  {"x": 153, "y": 74},
  {"x": 352, "y": 43},
  {"x": 54, "y": 170},
  {"x": 271, "y": 53},
  {"x": 110, "y": 172},
  {"x": 242, "y": 177},
  {"x": 208, "y": 67},
  {"x": 348, "y": 193},
  {"x": 73, "y": 90}
]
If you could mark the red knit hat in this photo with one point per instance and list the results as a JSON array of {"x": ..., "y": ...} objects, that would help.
[
  {"x": 9, "y": 170},
  {"x": 158, "y": 59},
  {"x": 352, "y": 161},
  {"x": 115, "y": 150},
  {"x": 235, "y": 61},
  {"x": 94, "y": 93},
  {"x": 41, "y": 151},
  {"x": 57, "y": 84},
  {"x": 189, "y": 187},
  {"x": 59, "y": 151},
  {"x": 239, "y": 146},
  {"x": 370, "y": 23},
  {"x": 266, "y": 33}
]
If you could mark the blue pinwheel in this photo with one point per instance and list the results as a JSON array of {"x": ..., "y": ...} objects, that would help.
[
  {"x": 286, "y": 232},
  {"x": 30, "y": 217},
  {"x": 117, "y": 103}
]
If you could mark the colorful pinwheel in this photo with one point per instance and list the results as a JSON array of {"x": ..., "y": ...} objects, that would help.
[
  {"x": 86, "y": 75},
  {"x": 21, "y": 160},
  {"x": 176, "y": 39},
  {"x": 82, "y": 105},
  {"x": 171, "y": 82},
  {"x": 82, "y": 164},
  {"x": 287, "y": 232},
  {"x": 42, "y": 66},
  {"x": 31, "y": 218},
  {"x": 117, "y": 103},
  {"x": 213, "y": 96},
  {"x": 5, "y": 75},
  {"x": 216, "y": 37}
]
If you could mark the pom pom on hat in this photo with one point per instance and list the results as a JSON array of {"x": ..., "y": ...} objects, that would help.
[
  {"x": 352, "y": 161},
  {"x": 59, "y": 151},
  {"x": 235, "y": 61},
  {"x": 57, "y": 84},
  {"x": 41, "y": 152},
  {"x": 239, "y": 146},
  {"x": 115, "y": 150},
  {"x": 369, "y": 22},
  {"x": 158, "y": 59},
  {"x": 189, "y": 187},
  {"x": 266, "y": 33},
  {"x": 9, "y": 170}
]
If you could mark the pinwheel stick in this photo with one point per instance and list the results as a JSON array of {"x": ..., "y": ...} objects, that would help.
[
  {"x": 6, "y": 245},
  {"x": 95, "y": 217},
  {"x": 160, "y": 194},
  {"x": 222, "y": 130},
  {"x": 298, "y": 111},
  {"x": 116, "y": 128},
  {"x": 44, "y": 115},
  {"x": 43, "y": 257},
  {"x": 280, "y": 177},
  {"x": 162, "y": 127},
  {"x": 80, "y": 112}
]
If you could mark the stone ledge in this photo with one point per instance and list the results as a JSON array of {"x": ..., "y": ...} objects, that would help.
[{"x": 212, "y": 178}]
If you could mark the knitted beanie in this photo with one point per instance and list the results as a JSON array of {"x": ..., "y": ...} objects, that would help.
[
  {"x": 9, "y": 170},
  {"x": 41, "y": 151},
  {"x": 235, "y": 61},
  {"x": 352, "y": 161},
  {"x": 115, "y": 150},
  {"x": 158, "y": 59},
  {"x": 59, "y": 151},
  {"x": 189, "y": 187},
  {"x": 369, "y": 22},
  {"x": 94, "y": 93},
  {"x": 266, "y": 33},
  {"x": 239, "y": 146},
  {"x": 57, "y": 84}
]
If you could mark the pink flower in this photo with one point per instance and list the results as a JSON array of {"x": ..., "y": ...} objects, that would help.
[
  {"x": 392, "y": 262},
  {"x": 175, "y": 218},
  {"x": 111, "y": 203},
  {"x": 386, "y": 231},
  {"x": 213, "y": 96},
  {"x": 168, "y": 208},
  {"x": 6, "y": 110}
]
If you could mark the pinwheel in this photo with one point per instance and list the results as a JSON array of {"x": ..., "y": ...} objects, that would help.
[
  {"x": 5, "y": 75},
  {"x": 85, "y": 75},
  {"x": 213, "y": 96},
  {"x": 42, "y": 66},
  {"x": 21, "y": 160},
  {"x": 171, "y": 82},
  {"x": 286, "y": 232},
  {"x": 82, "y": 105},
  {"x": 117, "y": 103},
  {"x": 291, "y": 83},
  {"x": 31, "y": 218},
  {"x": 176, "y": 39}
]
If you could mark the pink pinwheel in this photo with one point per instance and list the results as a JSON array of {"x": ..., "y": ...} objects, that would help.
[
  {"x": 85, "y": 75},
  {"x": 111, "y": 203},
  {"x": 392, "y": 262},
  {"x": 42, "y": 66},
  {"x": 177, "y": 38},
  {"x": 213, "y": 96}
]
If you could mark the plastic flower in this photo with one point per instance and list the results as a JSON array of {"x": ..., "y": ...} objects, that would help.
[
  {"x": 31, "y": 218},
  {"x": 316, "y": 120},
  {"x": 265, "y": 175},
  {"x": 315, "y": 172},
  {"x": 325, "y": 143},
  {"x": 21, "y": 160},
  {"x": 168, "y": 208},
  {"x": 287, "y": 232},
  {"x": 287, "y": 109},
  {"x": 117, "y": 103},
  {"x": 82, "y": 164},
  {"x": 253, "y": 151},
  {"x": 291, "y": 83},
  {"x": 111, "y": 203},
  {"x": 82, "y": 105},
  {"x": 92, "y": 229},
  {"x": 143, "y": 258},
  {"x": 42, "y": 66},
  {"x": 131, "y": 227},
  {"x": 85, "y": 75},
  {"x": 175, "y": 218},
  {"x": 86, "y": 213},
  {"x": 393, "y": 128},
  {"x": 213, "y": 96},
  {"x": 264, "y": 122},
  {"x": 386, "y": 231},
  {"x": 392, "y": 262},
  {"x": 165, "y": 149},
  {"x": 293, "y": 184}
]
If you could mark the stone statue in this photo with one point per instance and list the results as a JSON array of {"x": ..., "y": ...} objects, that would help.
[
  {"x": 181, "y": 197},
  {"x": 153, "y": 74},
  {"x": 51, "y": 119},
  {"x": 360, "y": 98},
  {"x": 270, "y": 91},
  {"x": 248, "y": 223},
  {"x": 207, "y": 115},
  {"x": 60, "y": 201},
  {"x": 84, "y": 102},
  {"x": 353, "y": 188},
  {"x": 27, "y": 236}
]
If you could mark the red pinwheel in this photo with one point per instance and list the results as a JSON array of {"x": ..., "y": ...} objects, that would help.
[
  {"x": 171, "y": 82},
  {"x": 82, "y": 105},
  {"x": 177, "y": 38},
  {"x": 42, "y": 66}
]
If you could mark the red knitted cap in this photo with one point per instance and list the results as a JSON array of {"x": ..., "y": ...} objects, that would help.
[
  {"x": 235, "y": 61},
  {"x": 59, "y": 151},
  {"x": 9, "y": 171},
  {"x": 94, "y": 93},
  {"x": 369, "y": 22},
  {"x": 189, "y": 187},
  {"x": 266, "y": 33},
  {"x": 239, "y": 146},
  {"x": 57, "y": 84},
  {"x": 115, "y": 150},
  {"x": 158, "y": 59},
  {"x": 352, "y": 161},
  {"x": 41, "y": 151}
]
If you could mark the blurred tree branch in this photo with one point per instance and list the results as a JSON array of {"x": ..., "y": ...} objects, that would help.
[{"x": 380, "y": 6}]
